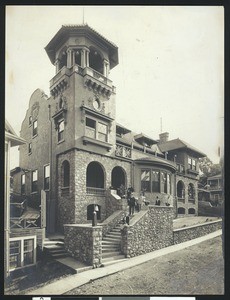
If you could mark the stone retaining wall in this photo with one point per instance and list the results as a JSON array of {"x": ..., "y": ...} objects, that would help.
[
  {"x": 188, "y": 233},
  {"x": 84, "y": 243},
  {"x": 152, "y": 230}
]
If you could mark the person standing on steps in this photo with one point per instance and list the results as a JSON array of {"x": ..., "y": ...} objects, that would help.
[{"x": 132, "y": 202}]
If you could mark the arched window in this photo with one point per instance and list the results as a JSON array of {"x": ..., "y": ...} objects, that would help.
[
  {"x": 95, "y": 60},
  {"x": 66, "y": 173},
  {"x": 90, "y": 210},
  {"x": 180, "y": 189},
  {"x": 118, "y": 180},
  {"x": 191, "y": 191},
  {"x": 95, "y": 181},
  {"x": 191, "y": 211},
  {"x": 181, "y": 210}
]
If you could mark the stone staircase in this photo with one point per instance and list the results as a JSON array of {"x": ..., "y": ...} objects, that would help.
[
  {"x": 111, "y": 247},
  {"x": 54, "y": 247}
]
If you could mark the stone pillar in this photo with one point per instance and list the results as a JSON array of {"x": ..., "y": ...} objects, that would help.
[
  {"x": 69, "y": 58},
  {"x": 105, "y": 68},
  {"x": 57, "y": 61},
  {"x": 87, "y": 58},
  {"x": 83, "y": 60},
  {"x": 73, "y": 58}
]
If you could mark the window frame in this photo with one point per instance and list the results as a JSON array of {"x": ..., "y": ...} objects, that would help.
[
  {"x": 29, "y": 148},
  {"x": 21, "y": 253},
  {"x": 30, "y": 120},
  {"x": 46, "y": 185},
  {"x": 34, "y": 183},
  {"x": 96, "y": 129},
  {"x": 161, "y": 187},
  {"x": 60, "y": 133}
]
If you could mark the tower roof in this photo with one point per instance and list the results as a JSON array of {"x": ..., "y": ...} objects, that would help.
[{"x": 81, "y": 30}]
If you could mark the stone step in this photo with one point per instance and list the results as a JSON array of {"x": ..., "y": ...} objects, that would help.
[
  {"x": 111, "y": 239},
  {"x": 110, "y": 249},
  {"x": 53, "y": 243},
  {"x": 59, "y": 255},
  {"x": 111, "y": 262},
  {"x": 73, "y": 264},
  {"x": 112, "y": 258},
  {"x": 115, "y": 233},
  {"x": 110, "y": 254}
]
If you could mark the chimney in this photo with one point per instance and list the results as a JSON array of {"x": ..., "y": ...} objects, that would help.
[{"x": 164, "y": 136}]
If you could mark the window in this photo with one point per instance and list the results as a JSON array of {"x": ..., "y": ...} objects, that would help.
[
  {"x": 66, "y": 173},
  {"x": 163, "y": 182},
  {"x": 169, "y": 184},
  {"x": 191, "y": 191},
  {"x": 61, "y": 127},
  {"x": 145, "y": 181},
  {"x": 96, "y": 130},
  {"x": 192, "y": 164},
  {"x": 30, "y": 120},
  {"x": 23, "y": 177},
  {"x": 155, "y": 181},
  {"x": 91, "y": 128},
  {"x": 22, "y": 252},
  {"x": 46, "y": 177},
  {"x": 35, "y": 181},
  {"x": 35, "y": 128},
  {"x": 30, "y": 148},
  {"x": 102, "y": 132}
]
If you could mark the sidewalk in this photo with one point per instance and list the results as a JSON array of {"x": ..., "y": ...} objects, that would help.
[{"x": 62, "y": 286}]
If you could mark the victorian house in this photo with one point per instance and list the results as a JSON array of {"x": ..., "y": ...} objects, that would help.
[{"x": 78, "y": 154}]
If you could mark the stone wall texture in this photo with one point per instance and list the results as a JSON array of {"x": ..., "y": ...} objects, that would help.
[
  {"x": 72, "y": 208},
  {"x": 153, "y": 230},
  {"x": 84, "y": 243},
  {"x": 188, "y": 233}
]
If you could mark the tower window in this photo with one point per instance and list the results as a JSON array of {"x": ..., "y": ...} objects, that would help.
[
  {"x": 96, "y": 130},
  {"x": 35, "y": 128},
  {"x": 61, "y": 128},
  {"x": 30, "y": 148},
  {"x": 30, "y": 120}
]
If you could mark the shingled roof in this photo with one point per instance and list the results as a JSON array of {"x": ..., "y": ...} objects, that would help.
[{"x": 177, "y": 144}]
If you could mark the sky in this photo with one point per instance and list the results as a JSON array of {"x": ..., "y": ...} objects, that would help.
[{"x": 170, "y": 76}]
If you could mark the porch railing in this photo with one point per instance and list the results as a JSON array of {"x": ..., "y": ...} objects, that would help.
[{"x": 95, "y": 191}]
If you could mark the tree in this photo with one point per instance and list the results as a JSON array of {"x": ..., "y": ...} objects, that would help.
[{"x": 208, "y": 168}]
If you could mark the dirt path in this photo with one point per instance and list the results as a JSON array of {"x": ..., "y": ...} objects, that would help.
[{"x": 195, "y": 270}]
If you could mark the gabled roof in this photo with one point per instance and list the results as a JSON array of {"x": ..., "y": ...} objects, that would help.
[
  {"x": 177, "y": 144},
  {"x": 81, "y": 30}
]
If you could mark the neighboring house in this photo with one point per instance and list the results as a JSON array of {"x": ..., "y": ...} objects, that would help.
[
  {"x": 215, "y": 188},
  {"x": 76, "y": 150},
  {"x": 19, "y": 246}
]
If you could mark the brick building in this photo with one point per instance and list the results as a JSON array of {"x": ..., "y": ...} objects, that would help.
[{"x": 76, "y": 151}]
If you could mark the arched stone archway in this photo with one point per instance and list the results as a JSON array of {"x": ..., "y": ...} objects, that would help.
[
  {"x": 118, "y": 180},
  {"x": 191, "y": 211},
  {"x": 95, "y": 177}
]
